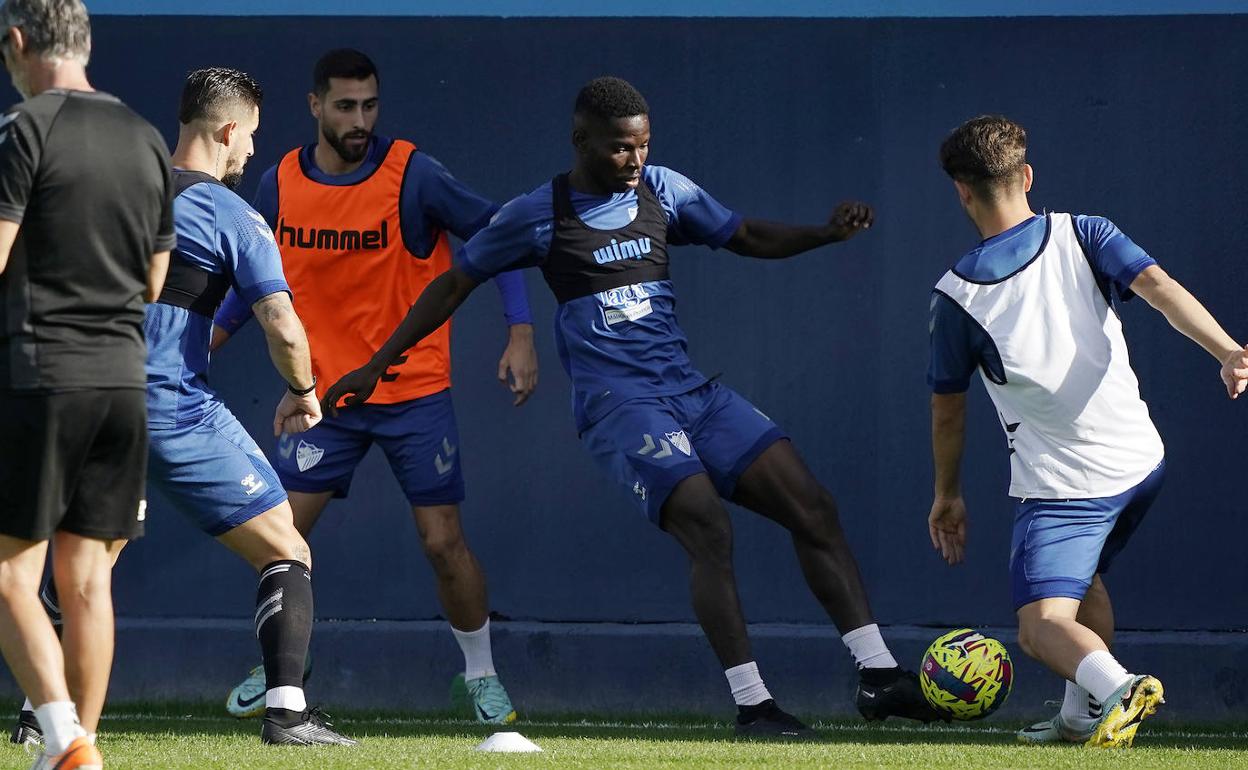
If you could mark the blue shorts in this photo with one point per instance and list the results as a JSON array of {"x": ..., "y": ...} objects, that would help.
[
  {"x": 1058, "y": 545},
  {"x": 420, "y": 439},
  {"x": 213, "y": 471},
  {"x": 652, "y": 444}
]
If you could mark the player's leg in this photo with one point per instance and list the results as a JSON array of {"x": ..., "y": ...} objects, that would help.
[
  {"x": 313, "y": 467},
  {"x": 32, "y": 650},
  {"x": 27, "y": 639},
  {"x": 420, "y": 439},
  {"x": 643, "y": 446},
  {"x": 753, "y": 463},
  {"x": 695, "y": 516},
  {"x": 214, "y": 472},
  {"x": 1059, "y": 547},
  {"x": 82, "y": 567},
  {"x": 105, "y": 510},
  {"x": 26, "y": 730}
]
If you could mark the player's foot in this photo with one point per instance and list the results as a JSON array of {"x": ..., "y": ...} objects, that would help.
[
  {"x": 247, "y": 699},
  {"x": 1135, "y": 701},
  {"x": 1051, "y": 731},
  {"x": 26, "y": 732},
  {"x": 81, "y": 755},
  {"x": 893, "y": 692},
  {"x": 766, "y": 721},
  {"x": 301, "y": 728},
  {"x": 485, "y": 697}
]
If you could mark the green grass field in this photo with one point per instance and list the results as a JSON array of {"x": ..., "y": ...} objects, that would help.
[{"x": 173, "y": 738}]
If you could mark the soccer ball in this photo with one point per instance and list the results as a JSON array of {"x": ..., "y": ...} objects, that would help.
[{"x": 966, "y": 675}]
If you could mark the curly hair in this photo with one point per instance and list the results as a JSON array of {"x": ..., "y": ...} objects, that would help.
[{"x": 610, "y": 97}]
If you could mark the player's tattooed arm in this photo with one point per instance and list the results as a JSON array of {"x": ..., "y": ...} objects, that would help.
[
  {"x": 432, "y": 308},
  {"x": 946, "y": 522},
  {"x": 1189, "y": 317},
  {"x": 288, "y": 348},
  {"x": 774, "y": 240}
]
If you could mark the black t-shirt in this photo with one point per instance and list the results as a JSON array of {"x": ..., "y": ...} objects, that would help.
[{"x": 90, "y": 183}]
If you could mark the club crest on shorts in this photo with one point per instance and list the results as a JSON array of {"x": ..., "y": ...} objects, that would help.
[
  {"x": 680, "y": 441},
  {"x": 307, "y": 455}
]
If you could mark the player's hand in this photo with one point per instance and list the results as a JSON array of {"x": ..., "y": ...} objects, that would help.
[
  {"x": 1235, "y": 372},
  {"x": 295, "y": 414},
  {"x": 849, "y": 218},
  {"x": 358, "y": 385},
  {"x": 947, "y": 526},
  {"x": 520, "y": 359}
]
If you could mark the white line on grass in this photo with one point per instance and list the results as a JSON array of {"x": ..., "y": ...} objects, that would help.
[{"x": 671, "y": 726}]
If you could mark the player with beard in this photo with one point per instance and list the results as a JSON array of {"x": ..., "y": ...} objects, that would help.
[
  {"x": 676, "y": 440},
  {"x": 201, "y": 458},
  {"x": 362, "y": 223}
]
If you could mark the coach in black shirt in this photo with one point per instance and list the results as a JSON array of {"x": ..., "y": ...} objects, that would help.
[{"x": 85, "y": 230}]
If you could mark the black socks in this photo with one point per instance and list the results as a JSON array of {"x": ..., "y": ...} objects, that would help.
[{"x": 284, "y": 622}]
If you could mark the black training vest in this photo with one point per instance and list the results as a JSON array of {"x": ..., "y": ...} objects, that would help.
[
  {"x": 584, "y": 261},
  {"x": 187, "y": 285}
]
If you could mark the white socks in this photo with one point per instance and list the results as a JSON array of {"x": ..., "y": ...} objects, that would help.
[
  {"x": 289, "y": 698},
  {"x": 1100, "y": 674},
  {"x": 1079, "y": 710},
  {"x": 868, "y": 648},
  {"x": 747, "y": 686},
  {"x": 478, "y": 659},
  {"x": 27, "y": 705},
  {"x": 59, "y": 722}
]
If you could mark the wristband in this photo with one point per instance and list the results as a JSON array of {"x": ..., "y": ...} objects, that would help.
[{"x": 303, "y": 391}]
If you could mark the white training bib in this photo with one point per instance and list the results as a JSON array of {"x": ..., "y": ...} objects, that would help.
[{"x": 1070, "y": 403}]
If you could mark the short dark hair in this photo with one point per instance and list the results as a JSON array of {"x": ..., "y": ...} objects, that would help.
[
  {"x": 211, "y": 92},
  {"x": 610, "y": 97},
  {"x": 987, "y": 152},
  {"x": 342, "y": 63}
]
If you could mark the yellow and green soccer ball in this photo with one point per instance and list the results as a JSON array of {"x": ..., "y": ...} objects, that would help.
[{"x": 966, "y": 675}]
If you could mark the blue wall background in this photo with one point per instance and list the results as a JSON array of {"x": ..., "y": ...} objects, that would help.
[{"x": 1138, "y": 118}]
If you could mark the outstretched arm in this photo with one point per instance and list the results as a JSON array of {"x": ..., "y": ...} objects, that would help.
[
  {"x": 432, "y": 309},
  {"x": 288, "y": 347},
  {"x": 773, "y": 240},
  {"x": 1186, "y": 314},
  {"x": 946, "y": 523}
]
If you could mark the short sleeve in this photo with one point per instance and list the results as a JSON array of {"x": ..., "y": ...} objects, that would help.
[
  {"x": 513, "y": 239},
  {"x": 249, "y": 249},
  {"x": 431, "y": 192},
  {"x": 1115, "y": 258},
  {"x": 956, "y": 346},
  {"x": 694, "y": 216},
  {"x": 265, "y": 200},
  {"x": 166, "y": 235},
  {"x": 20, "y": 151}
]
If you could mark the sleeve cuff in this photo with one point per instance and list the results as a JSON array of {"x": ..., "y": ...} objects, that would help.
[
  {"x": 472, "y": 272},
  {"x": 166, "y": 242},
  {"x": 725, "y": 233},
  {"x": 253, "y": 294},
  {"x": 12, "y": 213},
  {"x": 1128, "y": 274},
  {"x": 948, "y": 387}
]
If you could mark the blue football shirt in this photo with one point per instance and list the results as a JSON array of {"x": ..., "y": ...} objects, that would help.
[
  {"x": 218, "y": 232},
  {"x": 609, "y": 363}
]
